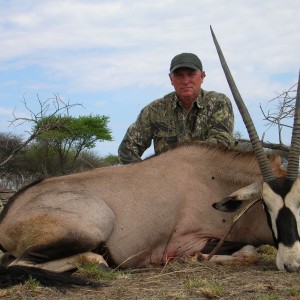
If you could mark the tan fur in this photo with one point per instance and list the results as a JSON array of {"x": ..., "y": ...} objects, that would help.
[
  {"x": 144, "y": 213},
  {"x": 275, "y": 161}
]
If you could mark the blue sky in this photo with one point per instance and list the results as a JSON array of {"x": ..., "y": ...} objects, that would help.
[{"x": 113, "y": 57}]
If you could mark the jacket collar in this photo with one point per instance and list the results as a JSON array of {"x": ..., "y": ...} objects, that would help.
[{"x": 199, "y": 100}]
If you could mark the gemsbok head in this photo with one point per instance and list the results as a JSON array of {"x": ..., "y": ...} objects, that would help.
[{"x": 280, "y": 196}]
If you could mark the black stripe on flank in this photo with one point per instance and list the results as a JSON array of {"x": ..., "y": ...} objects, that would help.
[
  {"x": 59, "y": 249},
  {"x": 287, "y": 227},
  {"x": 227, "y": 248},
  {"x": 62, "y": 248}
]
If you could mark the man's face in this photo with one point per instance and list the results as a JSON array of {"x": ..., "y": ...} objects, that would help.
[{"x": 187, "y": 83}]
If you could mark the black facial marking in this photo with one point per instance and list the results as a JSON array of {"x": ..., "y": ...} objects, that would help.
[
  {"x": 287, "y": 227},
  {"x": 281, "y": 186},
  {"x": 285, "y": 222},
  {"x": 270, "y": 225}
]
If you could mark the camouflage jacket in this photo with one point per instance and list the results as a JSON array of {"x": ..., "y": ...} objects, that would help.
[{"x": 167, "y": 123}]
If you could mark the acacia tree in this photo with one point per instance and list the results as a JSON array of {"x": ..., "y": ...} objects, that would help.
[
  {"x": 50, "y": 107},
  {"x": 21, "y": 160},
  {"x": 72, "y": 136}
]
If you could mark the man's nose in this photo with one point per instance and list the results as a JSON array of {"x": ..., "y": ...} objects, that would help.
[{"x": 186, "y": 79}]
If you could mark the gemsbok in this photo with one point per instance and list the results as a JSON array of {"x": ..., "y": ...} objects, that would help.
[{"x": 173, "y": 205}]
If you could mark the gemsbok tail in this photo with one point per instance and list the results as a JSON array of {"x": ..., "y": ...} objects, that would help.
[{"x": 10, "y": 276}]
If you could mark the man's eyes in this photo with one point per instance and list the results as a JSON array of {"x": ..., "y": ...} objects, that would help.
[{"x": 182, "y": 74}]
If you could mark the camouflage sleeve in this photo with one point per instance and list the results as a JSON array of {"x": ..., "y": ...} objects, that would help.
[
  {"x": 222, "y": 123},
  {"x": 137, "y": 139}
]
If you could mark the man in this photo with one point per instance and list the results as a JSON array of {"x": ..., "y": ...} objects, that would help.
[{"x": 189, "y": 113}]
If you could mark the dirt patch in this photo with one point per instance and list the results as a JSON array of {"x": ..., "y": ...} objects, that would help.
[{"x": 184, "y": 279}]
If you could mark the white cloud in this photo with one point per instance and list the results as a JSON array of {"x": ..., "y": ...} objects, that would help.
[
  {"x": 5, "y": 112},
  {"x": 99, "y": 46}
]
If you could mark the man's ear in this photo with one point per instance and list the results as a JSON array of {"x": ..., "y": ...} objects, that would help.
[{"x": 170, "y": 76}]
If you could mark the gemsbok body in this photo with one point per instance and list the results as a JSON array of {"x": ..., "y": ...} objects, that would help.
[{"x": 176, "y": 204}]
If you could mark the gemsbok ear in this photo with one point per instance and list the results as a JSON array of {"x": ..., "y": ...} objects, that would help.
[
  {"x": 228, "y": 205},
  {"x": 235, "y": 200}
]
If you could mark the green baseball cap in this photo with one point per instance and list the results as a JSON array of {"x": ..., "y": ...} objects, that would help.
[{"x": 187, "y": 60}]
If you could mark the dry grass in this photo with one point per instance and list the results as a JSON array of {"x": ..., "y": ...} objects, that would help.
[{"x": 188, "y": 279}]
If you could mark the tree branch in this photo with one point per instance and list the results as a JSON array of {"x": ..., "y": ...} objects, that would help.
[
  {"x": 50, "y": 107},
  {"x": 268, "y": 145}
]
